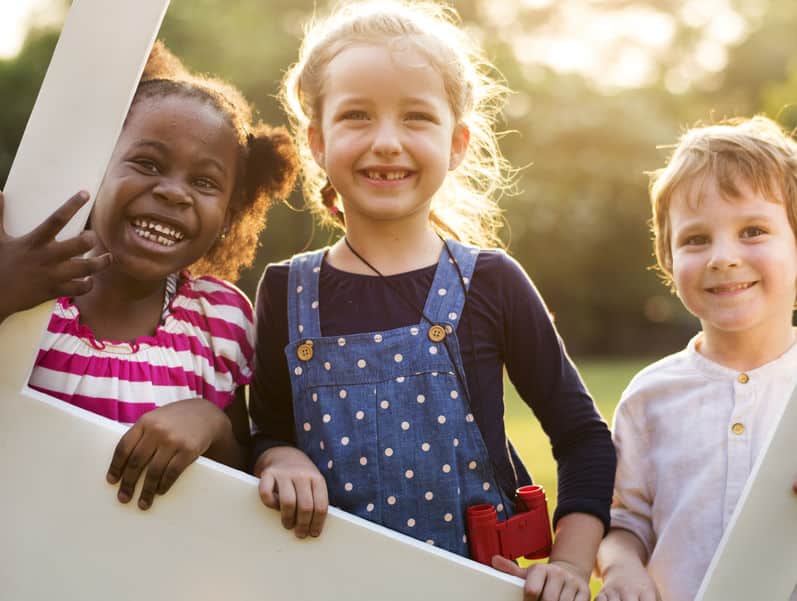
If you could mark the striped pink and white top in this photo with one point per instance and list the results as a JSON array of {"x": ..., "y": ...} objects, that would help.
[{"x": 203, "y": 348}]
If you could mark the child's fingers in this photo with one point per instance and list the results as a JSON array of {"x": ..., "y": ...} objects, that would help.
[
  {"x": 49, "y": 228},
  {"x": 72, "y": 287},
  {"x": 137, "y": 460},
  {"x": 304, "y": 507},
  {"x": 287, "y": 501},
  {"x": 152, "y": 479},
  {"x": 78, "y": 268},
  {"x": 176, "y": 466},
  {"x": 571, "y": 589},
  {"x": 122, "y": 451},
  {"x": 321, "y": 506},
  {"x": 538, "y": 582},
  {"x": 63, "y": 250},
  {"x": 267, "y": 490},
  {"x": 507, "y": 565}
]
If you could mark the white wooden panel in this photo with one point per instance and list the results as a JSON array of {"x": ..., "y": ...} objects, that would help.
[
  {"x": 757, "y": 556},
  {"x": 64, "y": 535},
  {"x": 72, "y": 131}
]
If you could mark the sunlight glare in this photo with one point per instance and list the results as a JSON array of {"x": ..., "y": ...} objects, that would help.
[{"x": 16, "y": 17}]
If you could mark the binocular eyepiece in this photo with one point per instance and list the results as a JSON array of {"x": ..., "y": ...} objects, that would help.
[{"x": 526, "y": 534}]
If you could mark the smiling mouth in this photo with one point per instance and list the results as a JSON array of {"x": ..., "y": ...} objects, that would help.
[
  {"x": 727, "y": 288},
  {"x": 156, "y": 231},
  {"x": 386, "y": 175}
]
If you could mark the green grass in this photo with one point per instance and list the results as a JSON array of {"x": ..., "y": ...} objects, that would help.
[{"x": 605, "y": 379}]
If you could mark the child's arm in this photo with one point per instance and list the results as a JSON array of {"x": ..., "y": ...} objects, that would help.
[
  {"x": 290, "y": 482},
  {"x": 167, "y": 440},
  {"x": 621, "y": 563},
  {"x": 566, "y": 575},
  {"x": 36, "y": 267}
]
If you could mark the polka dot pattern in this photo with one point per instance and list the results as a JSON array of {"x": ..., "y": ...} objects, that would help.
[{"x": 366, "y": 388}]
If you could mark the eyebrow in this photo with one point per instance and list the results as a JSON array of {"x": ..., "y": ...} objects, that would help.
[
  {"x": 158, "y": 145},
  {"x": 412, "y": 100}
]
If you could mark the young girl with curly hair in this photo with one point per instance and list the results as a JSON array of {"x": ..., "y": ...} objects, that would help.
[{"x": 146, "y": 330}]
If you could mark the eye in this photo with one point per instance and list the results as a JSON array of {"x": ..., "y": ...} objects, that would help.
[
  {"x": 420, "y": 116},
  {"x": 695, "y": 240},
  {"x": 752, "y": 231},
  {"x": 146, "y": 165},
  {"x": 354, "y": 116},
  {"x": 206, "y": 183}
]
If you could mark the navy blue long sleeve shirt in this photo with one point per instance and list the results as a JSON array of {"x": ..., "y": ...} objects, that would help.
[{"x": 504, "y": 324}]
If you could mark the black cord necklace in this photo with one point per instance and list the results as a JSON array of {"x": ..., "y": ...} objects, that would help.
[{"x": 399, "y": 292}]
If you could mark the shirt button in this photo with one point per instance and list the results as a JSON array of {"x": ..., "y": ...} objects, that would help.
[
  {"x": 305, "y": 351},
  {"x": 437, "y": 333},
  {"x": 738, "y": 428},
  {"x": 743, "y": 378}
]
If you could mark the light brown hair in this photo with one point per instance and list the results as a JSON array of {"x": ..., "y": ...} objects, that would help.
[
  {"x": 466, "y": 205},
  {"x": 756, "y": 153}
]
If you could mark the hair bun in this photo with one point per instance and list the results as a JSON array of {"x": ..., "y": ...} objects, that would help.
[{"x": 162, "y": 64}]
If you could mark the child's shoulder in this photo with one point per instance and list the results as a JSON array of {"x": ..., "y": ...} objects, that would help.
[
  {"x": 498, "y": 265},
  {"x": 214, "y": 294},
  {"x": 660, "y": 379}
]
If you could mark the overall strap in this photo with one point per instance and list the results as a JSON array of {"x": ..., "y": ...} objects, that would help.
[
  {"x": 303, "y": 314},
  {"x": 446, "y": 296}
]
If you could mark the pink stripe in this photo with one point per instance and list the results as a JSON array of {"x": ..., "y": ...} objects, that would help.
[
  {"x": 177, "y": 341},
  {"x": 221, "y": 298},
  {"x": 216, "y": 327},
  {"x": 131, "y": 371},
  {"x": 120, "y": 411}
]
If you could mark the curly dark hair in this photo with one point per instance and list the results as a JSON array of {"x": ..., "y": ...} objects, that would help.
[{"x": 267, "y": 159}]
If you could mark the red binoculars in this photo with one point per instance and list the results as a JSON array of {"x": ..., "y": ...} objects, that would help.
[{"x": 526, "y": 534}]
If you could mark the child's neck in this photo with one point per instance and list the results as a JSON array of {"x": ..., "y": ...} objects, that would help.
[
  {"x": 744, "y": 351},
  {"x": 119, "y": 308},
  {"x": 391, "y": 250}
]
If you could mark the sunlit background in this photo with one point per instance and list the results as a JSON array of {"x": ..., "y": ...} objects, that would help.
[{"x": 601, "y": 88}]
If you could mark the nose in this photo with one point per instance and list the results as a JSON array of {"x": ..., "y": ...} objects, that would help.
[
  {"x": 386, "y": 140},
  {"x": 173, "y": 191},
  {"x": 724, "y": 255}
]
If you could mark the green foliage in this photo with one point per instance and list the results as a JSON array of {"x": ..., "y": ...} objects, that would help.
[
  {"x": 579, "y": 221},
  {"x": 20, "y": 80}
]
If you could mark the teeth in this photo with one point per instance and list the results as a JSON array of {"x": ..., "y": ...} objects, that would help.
[
  {"x": 386, "y": 175},
  {"x": 157, "y": 232},
  {"x": 731, "y": 287}
]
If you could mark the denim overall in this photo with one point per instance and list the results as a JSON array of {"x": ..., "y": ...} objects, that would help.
[{"x": 384, "y": 415}]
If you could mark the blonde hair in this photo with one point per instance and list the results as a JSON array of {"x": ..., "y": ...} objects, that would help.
[
  {"x": 754, "y": 152},
  {"x": 466, "y": 206}
]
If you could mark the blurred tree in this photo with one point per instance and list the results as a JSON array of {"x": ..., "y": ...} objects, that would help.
[{"x": 579, "y": 220}]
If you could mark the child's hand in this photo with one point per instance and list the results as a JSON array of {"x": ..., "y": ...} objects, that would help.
[
  {"x": 632, "y": 583},
  {"x": 554, "y": 581},
  {"x": 38, "y": 268},
  {"x": 290, "y": 482},
  {"x": 165, "y": 441}
]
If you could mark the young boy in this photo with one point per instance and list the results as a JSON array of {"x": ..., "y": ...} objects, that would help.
[{"x": 689, "y": 427}]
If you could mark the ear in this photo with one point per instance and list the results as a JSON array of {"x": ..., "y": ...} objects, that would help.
[
  {"x": 316, "y": 141},
  {"x": 225, "y": 227},
  {"x": 459, "y": 145}
]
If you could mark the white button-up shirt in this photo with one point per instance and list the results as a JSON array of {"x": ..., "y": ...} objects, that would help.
[{"x": 687, "y": 432}]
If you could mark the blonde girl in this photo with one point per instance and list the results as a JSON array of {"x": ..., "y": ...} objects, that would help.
[{"x": 379, "y": 360}]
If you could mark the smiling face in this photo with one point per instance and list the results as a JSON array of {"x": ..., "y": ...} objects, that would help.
[
  {"x": 734, "y": 262},
  {"x": 163, "y": 201},
  {"x": 386, "y": 136}
]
